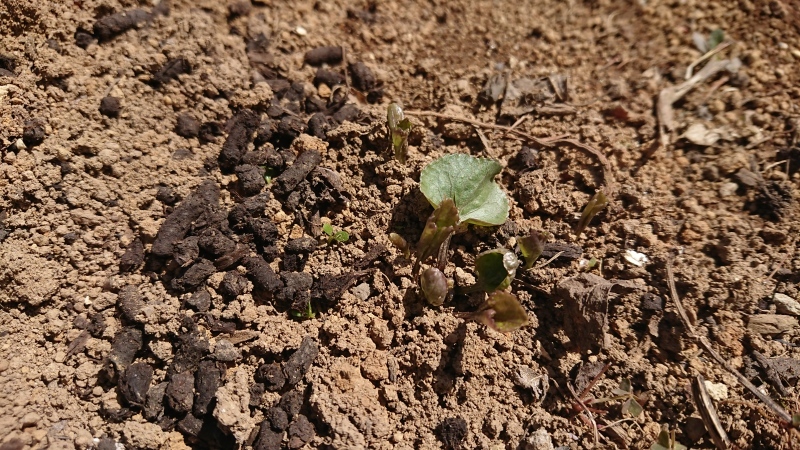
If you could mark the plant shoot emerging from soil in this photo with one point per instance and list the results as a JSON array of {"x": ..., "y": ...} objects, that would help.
[
  {"x": 501, "y": 312},
  {"x": 532, "y": 247},
  {"x": 595, "y": 205},
  {"x": 496, "y": 269},
  {"x": 339, "y": 236},
  {"x": 399, "y": 127}
]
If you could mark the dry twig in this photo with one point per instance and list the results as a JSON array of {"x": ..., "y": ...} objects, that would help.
[
  {"x": 608, "y": 174},
  {"x": 706, "y": 346}
]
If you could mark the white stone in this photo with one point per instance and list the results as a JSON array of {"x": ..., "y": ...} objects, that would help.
[
  {"x": 717, "y": 391},
  {"x": 786, "y": 304}
]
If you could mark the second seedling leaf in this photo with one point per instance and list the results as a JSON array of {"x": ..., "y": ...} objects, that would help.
[{"x": 496, "y": 268}]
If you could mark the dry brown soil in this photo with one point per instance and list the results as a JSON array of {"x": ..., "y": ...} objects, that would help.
[{"x": 80, "y": 188}]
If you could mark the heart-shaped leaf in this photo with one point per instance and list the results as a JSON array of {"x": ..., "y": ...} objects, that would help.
[
  {"x": 469, "y": 182},
  {"x": 496, "y": 268},
  {"x": 501, "y": 312}
]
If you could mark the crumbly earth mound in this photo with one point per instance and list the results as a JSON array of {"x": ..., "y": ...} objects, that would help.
[{"x": 166, "y": 169}]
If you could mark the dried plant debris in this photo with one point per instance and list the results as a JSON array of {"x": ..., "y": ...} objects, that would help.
[{"x": 586, "y": 298}]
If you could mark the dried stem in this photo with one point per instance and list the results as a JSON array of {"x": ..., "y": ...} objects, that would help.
[{"x": 705, "y": 345}]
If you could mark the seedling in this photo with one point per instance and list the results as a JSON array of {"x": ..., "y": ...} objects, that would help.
[
  {"x": 666, "y": 441},
  {"x": 401, "y": 244},
  {"x": 501, "y": 312},
  {"x": 305, "y": 314},
  {"x": 632, "y": 404},
  {"x": 469, "y": 182},
  {"x": 270, "y": 173},
  {"x": 339, "y": 236},
  {"x": 532, "y": 247},
  {"x": 496, "y": 269},
  {"x": 399, "y": 127},
  {"x": 595, "y": 205},
  {"x": 438, "y": 229}
]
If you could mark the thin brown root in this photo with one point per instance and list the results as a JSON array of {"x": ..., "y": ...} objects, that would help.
[{"x": 588, "y": 413}]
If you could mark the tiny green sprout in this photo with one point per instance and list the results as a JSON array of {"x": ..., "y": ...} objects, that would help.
[
  {"x": 434, "y": 286},
  {"x": 715, "y": 38},
  {"x": 666, "y": 441},
  {"x": 501, "y": 312},
  {"x": 401, "y": 244},
  {"x": 399, "y": 127},
  {"x": 632, "y": 403},
  {"x": 595, "y": 205},
  {"x": 305, "y": 314},
  {"x": 532, "y": 247},
  {"x": 270, "y": 173},
  {"x": 340, "y": 236},
  {"x": 796, "y": 420},
  {"x": 496, "y": 269}
]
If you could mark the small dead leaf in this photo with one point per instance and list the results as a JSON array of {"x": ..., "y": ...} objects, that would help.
[
  {"x": 585, "y": 298},
  {"x": 771, "y": 323},
  {"x": 699, "y": 134}
]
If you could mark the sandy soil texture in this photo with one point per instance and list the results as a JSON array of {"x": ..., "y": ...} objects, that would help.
[{"x": 167, "y": 169}]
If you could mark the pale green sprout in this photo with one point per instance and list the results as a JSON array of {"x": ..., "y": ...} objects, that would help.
[{"x": 399, "y": 127}]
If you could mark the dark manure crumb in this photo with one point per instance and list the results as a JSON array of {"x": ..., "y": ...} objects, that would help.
[
  {"x": 240, "y": 136},
  {"x": 207, "y": 380},
  {"x": 291, "y": 177},
  {"x": 180, "y": 392},
  {"x": 178, "y": 223},
  {"x": 271, "y": 375},
  {"x": 194, "y": 276},
  {"x": 110, "y": 106},
  {"x": 362, "y": 76},
  {"x": 187, "y": 126},
  {"x": 301, "y": 431},
  {"x": 33, "y": 133},
  {"x": 300, "y": 361},
  {"x": 110, "y": 26},
  {"x": 135, "y": 382},
  {"x": 324, "y": 55},
  {"x": 262, "y": 275},
  {"x": 133, "y": 256},
  {"x": 251, "y": 179},
  {"x": 232, "y": 285},
  {"x": 452, "y": 432},
  {"x": 171, "y": 70}
]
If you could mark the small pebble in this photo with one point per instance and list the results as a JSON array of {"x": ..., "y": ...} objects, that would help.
[{"x": 728, "y": 189}]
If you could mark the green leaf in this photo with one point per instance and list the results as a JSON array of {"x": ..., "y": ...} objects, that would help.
[
  {"x": 440, "y": 225},
  {"x": 716, "y": 38},
  {"x": 341, "y": 236},
  {"x": 501, "y": 312},
  {"x": 796, "y": 420},
  {"x": 327, "y": 229},
  {"x": 532, "y": 247},
  {"x": 595, "y": 205},
  {"x": 469, "y": 182},
  {"x": 632, "y": 407},
  {"x": 624, "y": 387},
  {"x": 496, "y": 268},
  {"x": 434, "y": 286}
]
